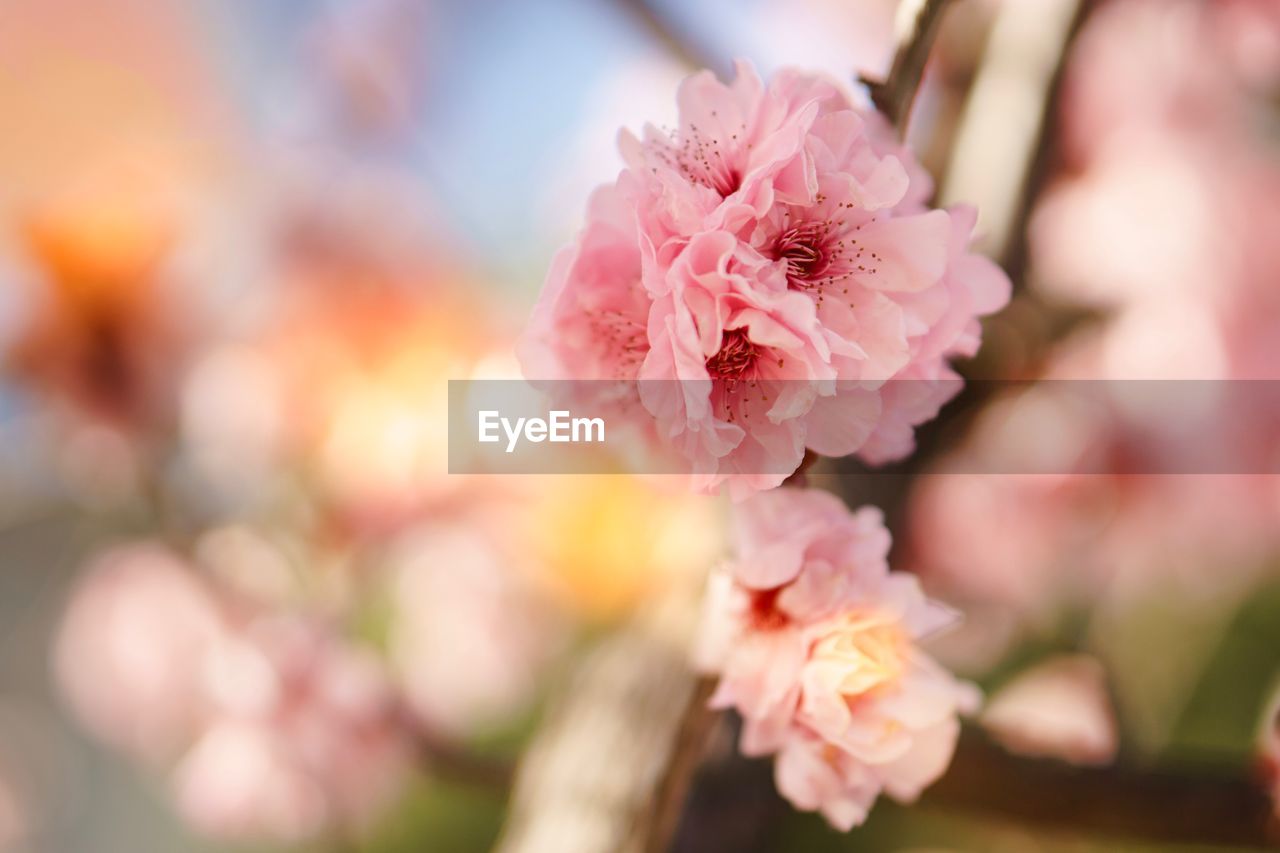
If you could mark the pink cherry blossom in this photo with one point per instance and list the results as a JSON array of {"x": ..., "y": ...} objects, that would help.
[
  {"x": 13, "y": 815},
  {"x": 272, "y": 725},
  {"x": 468, "y": 635},
  {"x": 130, "y": 648},
  {"x": 1067, "y": 533},
  {"x": 1162, "y": 217},
  {"x": 763, "y": 271},
  {"x": 816, "y": 644},
  {"x": 305, "y": 735},
  {"x": 1059, "y": 708}
]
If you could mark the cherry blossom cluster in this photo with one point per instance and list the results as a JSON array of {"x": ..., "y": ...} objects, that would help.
[
  {"x": 268, "y": 725},
  {"x": 771, "y": 275},
  {"x": 816, "y": 643}
]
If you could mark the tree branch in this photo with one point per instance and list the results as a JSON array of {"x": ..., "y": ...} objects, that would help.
[
  {"x": 1005, "y": 131},
  {"x": 1122, "y": 802},
  {"x": 463, "y": 766},
  {"x": 674, "y": 39},
  {"x": 673, "y": 791},
  {"x": 608, "y": 769},
  {"x": 916, "y": 27}
]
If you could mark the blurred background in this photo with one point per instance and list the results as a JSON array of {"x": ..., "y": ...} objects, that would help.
[{"x": 244, "y": 245}]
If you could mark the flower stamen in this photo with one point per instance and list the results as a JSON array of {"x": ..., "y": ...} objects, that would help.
[{"x": 736, "y": 357}]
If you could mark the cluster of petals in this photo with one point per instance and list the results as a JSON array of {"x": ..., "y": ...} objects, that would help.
[
  {"x": 764, "y": 272},
  {"x": 816, "y": 641},
  {"x": 274, "y": 728},
  {"x": 462, "y": 586},
  {"x": 1161, "y": 217}
]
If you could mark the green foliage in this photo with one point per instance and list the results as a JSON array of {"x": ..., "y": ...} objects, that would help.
[
  {"x": 1222, "y": 715},
  {"x": 441, "y": 816}
]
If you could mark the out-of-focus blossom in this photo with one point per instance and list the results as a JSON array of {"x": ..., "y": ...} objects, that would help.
[
  {"x": 1136, "y": 226},
  {"x": 12, "y": 816},
  {"x": 816, "y": 644},
  {"x": 100, "y": 336},
  {"x": 764, "y": 271},
  {"x": 602, "y": 544},
  {"x": 239, "y": 783},
  {"x": 255, "y": 567},
  {"x": 1163, "y": 216},
  {"x": 1167, "y": 189},
  {"x": 1269, "y": 746},
  {"x": 131, "y": 648},
  {"x": 1250, "y": 29},
  {"x": 1065, "y": 532},
  {"x": 468, "y": 637},
  {"x": 369, "y": 54},
  {"x": 306, "y": 736},
  {"x": 232, "y": 418},
  {"x": 838, "y": 38},
  {"x": 1060, "y": 709},
  {"x": 276, "y": 727},
  {"x": 1144, "y": 63},
  {"x": 360, "y": 367},
  {"x": 124, "y": 134}
]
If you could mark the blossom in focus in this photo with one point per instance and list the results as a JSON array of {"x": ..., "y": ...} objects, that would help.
[
  {"x": 816, "y": 643},
  {"x": 764, "y": 271},
  {"x": 1059, "y": 709}
]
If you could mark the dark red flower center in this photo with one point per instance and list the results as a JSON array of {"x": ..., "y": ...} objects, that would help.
[
  {"x": 765, "y": 614},
  {"x": 736, "y": 356},
  {"x": 803, "y": 249}
]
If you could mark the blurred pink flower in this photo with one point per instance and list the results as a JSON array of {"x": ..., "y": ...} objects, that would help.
[
  {"x": 1169, "y": 180},
  {"x": 370, "y": 56},
  {"x": 1059, "y": 708},
  {"x": 1061, "y": 531},
  {"x": 13, "y": 818},
  {"x": 840, "y": 38},
  {"x": 130, "y": 649},
  {"x": 764, "y": 271},
  {"x": 239, "y": 783},
  {"x": 468, "y": 635},
  {"x": 1163, "y": 216},
  {"x": 1184, "y": 65},
  {"x": 816, "y": 643},
  {"x": 278, "y": 728},
  {"x": 307, "y": 735}
]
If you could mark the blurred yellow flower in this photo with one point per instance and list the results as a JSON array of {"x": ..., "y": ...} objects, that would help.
[{"x": 604, "y": 542}]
